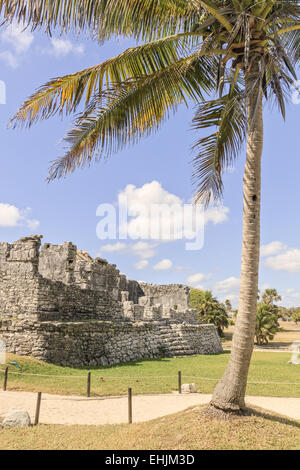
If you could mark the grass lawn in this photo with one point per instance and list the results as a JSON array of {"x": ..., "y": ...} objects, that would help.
[
  {"x": 155, "y": 376},
  {"x": 187, "y": 430}
]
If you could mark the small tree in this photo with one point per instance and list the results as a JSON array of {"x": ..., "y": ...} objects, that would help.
[
  {"x": 267, "y": 324},
  {"x": 296, "y": 317},
  {"x": 210, "y": 310},
  {"x": 270, "y": 296}
]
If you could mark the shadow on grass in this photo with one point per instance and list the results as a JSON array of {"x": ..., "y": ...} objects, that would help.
[
  {"x": 39, "y": 366},
  {"x": 275, "y": 418},
  {"x": 139, "y": 362}
]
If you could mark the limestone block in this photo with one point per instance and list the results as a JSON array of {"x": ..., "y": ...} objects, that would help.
[
  {"x": 128, "y": 309},
  {"x": 189, "y": 388},
  {"x": 144, "y": 301},
  {"x": 124, "y": 296},
  {"x": 16, "y": 419},
  {"x": 138, "y": 311}
]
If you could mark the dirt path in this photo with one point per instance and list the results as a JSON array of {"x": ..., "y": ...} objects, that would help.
[{"x": 57, "y": 409}]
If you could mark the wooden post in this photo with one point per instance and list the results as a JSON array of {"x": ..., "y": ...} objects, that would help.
[
  {"x": 5, "y": 379},
  {"x": 37, "y": 409},
  {"x": 88, "y": 392},
  {"x": 179, "y": 381},
  {"x": 130, "y": 405}
]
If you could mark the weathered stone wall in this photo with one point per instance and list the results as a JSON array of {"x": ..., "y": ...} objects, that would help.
[
  {"x": 62, "y": 306},
  {"x": 176, "y": 296},
  {"x": 57, "y": 301},
  {"x": 57, "y": 262},
  {"x": 67, "y": 264},
  {"x": 104, "y": 343},
  {"x": 63, "y": 283},
  {"x": 166, "y": 302},
  {"x": 19, "y": 287},
  {"x": 44, "y": 287}
]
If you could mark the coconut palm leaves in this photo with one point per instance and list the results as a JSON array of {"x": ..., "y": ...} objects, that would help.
[
  {"x": 142, "y": 19},
  {"x": 216, "y": 152},
  {"x": 191, "y": 49},
  {"x": 137, "y": 108},
  {"x": 64, "y": 94}
]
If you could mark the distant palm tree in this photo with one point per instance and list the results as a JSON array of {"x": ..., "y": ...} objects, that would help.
[
  {"x": 246, "y": 50},
  {"x": 210, "y": 310},
  {"x": 267, "y": 324},
  {"x": 270, "y": 296}
]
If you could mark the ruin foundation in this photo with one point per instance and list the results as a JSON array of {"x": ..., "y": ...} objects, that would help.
[{"x": 59, "y": 305}]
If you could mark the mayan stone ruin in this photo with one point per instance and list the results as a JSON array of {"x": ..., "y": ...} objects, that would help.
[{"x": 60, "y": 305}]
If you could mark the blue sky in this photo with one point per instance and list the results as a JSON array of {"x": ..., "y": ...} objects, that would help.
[{"x": 157, "y": 169}]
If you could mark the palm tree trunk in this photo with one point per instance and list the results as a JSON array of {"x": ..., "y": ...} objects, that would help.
[{"x": 229, "y": 394}]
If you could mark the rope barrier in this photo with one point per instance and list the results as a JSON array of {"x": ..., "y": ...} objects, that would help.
[
  {"x": 106, "y": 377},
  {"x": 45, "y": 375},
  {"x": 248, "y": 381},
  {"x": 144, "y": 377}
]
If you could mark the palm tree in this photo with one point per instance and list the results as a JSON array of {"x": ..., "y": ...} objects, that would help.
[
  {"x": 270, "y": 296},
  {"x": 244, "y": 50},
  {"x": 267, "y": 324},
  {"x": 212, "y": 311}
]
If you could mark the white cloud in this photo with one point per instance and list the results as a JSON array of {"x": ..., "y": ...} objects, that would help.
[
  {"x": 18, "y": 41},
  {"x": 113, "y": 247},
  {"x": 272, "y": 248},
  {"x": 229, "y": 285},
  {"x": 200, "y": 287},
  {"x": 142, "y": 264},
  {"x": 32, "y": 224},
  {"x": 143, "y": 249},
  {"x": 228, "y": 289},
  {"x": 18, "y": 38},
  {"x": 11, "y": 216},
  {"x": 198, "y": 278},
  {"x": 9, "y": 59},
  {"x": 288, "y": 261},
  {"x": 233, "y": 298},
  {"x": 156, "y": 214},
  {"x": 163, "y": 265},
  {"x": 64, "y": 47},
  {"x": 216, "y": 215}
]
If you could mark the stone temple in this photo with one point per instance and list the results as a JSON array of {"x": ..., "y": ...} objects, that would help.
[{"x": 60, "y": 305}]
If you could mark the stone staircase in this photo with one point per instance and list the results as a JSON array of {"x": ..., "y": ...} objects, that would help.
[{"x": 173, "y": 342}]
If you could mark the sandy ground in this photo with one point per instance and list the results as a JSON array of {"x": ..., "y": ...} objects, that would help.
[{"x": 57, "y": 409}]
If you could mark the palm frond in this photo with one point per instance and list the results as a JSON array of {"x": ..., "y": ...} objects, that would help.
[
  {"x": 291, "y": 41},
  {"x": 142, "y": 19},
  {"x": 281, "y": 53},
  {"x": 138, "y": 108},
  {"x": 64, "y": 94},
  {"x": 279, "y": 84},
  {"x": 284, "y": 12},
  {"x": 217, "y": 151}
]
